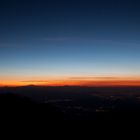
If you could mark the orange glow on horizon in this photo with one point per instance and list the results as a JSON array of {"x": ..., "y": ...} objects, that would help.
[{"x": 83, "y": 81}]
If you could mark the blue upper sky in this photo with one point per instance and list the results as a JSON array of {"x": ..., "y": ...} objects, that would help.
[{"x": 69, "y": 38}]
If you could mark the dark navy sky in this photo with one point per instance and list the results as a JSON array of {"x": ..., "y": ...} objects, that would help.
[{"x": 69, "y": 38}]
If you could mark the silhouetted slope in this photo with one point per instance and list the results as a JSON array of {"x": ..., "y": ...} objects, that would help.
[
  {"x": 17, "y": 108},
  {"x": 70, "y": 104}
]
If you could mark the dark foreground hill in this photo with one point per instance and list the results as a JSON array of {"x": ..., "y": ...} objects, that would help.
[{"x": 58, "y": 105}]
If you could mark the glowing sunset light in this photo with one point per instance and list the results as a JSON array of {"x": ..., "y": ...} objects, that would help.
[
  {"x": 86, "y": 43},
  {"x": 78, "y": 81}
]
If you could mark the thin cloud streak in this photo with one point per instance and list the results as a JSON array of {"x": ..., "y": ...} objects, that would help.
[
  {"x": 91, "y": 78},
  {"x": 2, "y": 45},
  {"x": 104, "y": 78},
  {"x": 55, "y": 39},
  {"x": 35, "y": 81}
]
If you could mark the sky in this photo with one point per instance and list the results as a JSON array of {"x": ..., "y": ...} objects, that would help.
[{"x": 69, "y": 41}]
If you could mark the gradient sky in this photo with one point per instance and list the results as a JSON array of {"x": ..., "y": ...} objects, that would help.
[{"x": 60, "y": 39}]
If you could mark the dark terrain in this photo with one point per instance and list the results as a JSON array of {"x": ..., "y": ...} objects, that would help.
[{"x": 70, "y": 104}]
